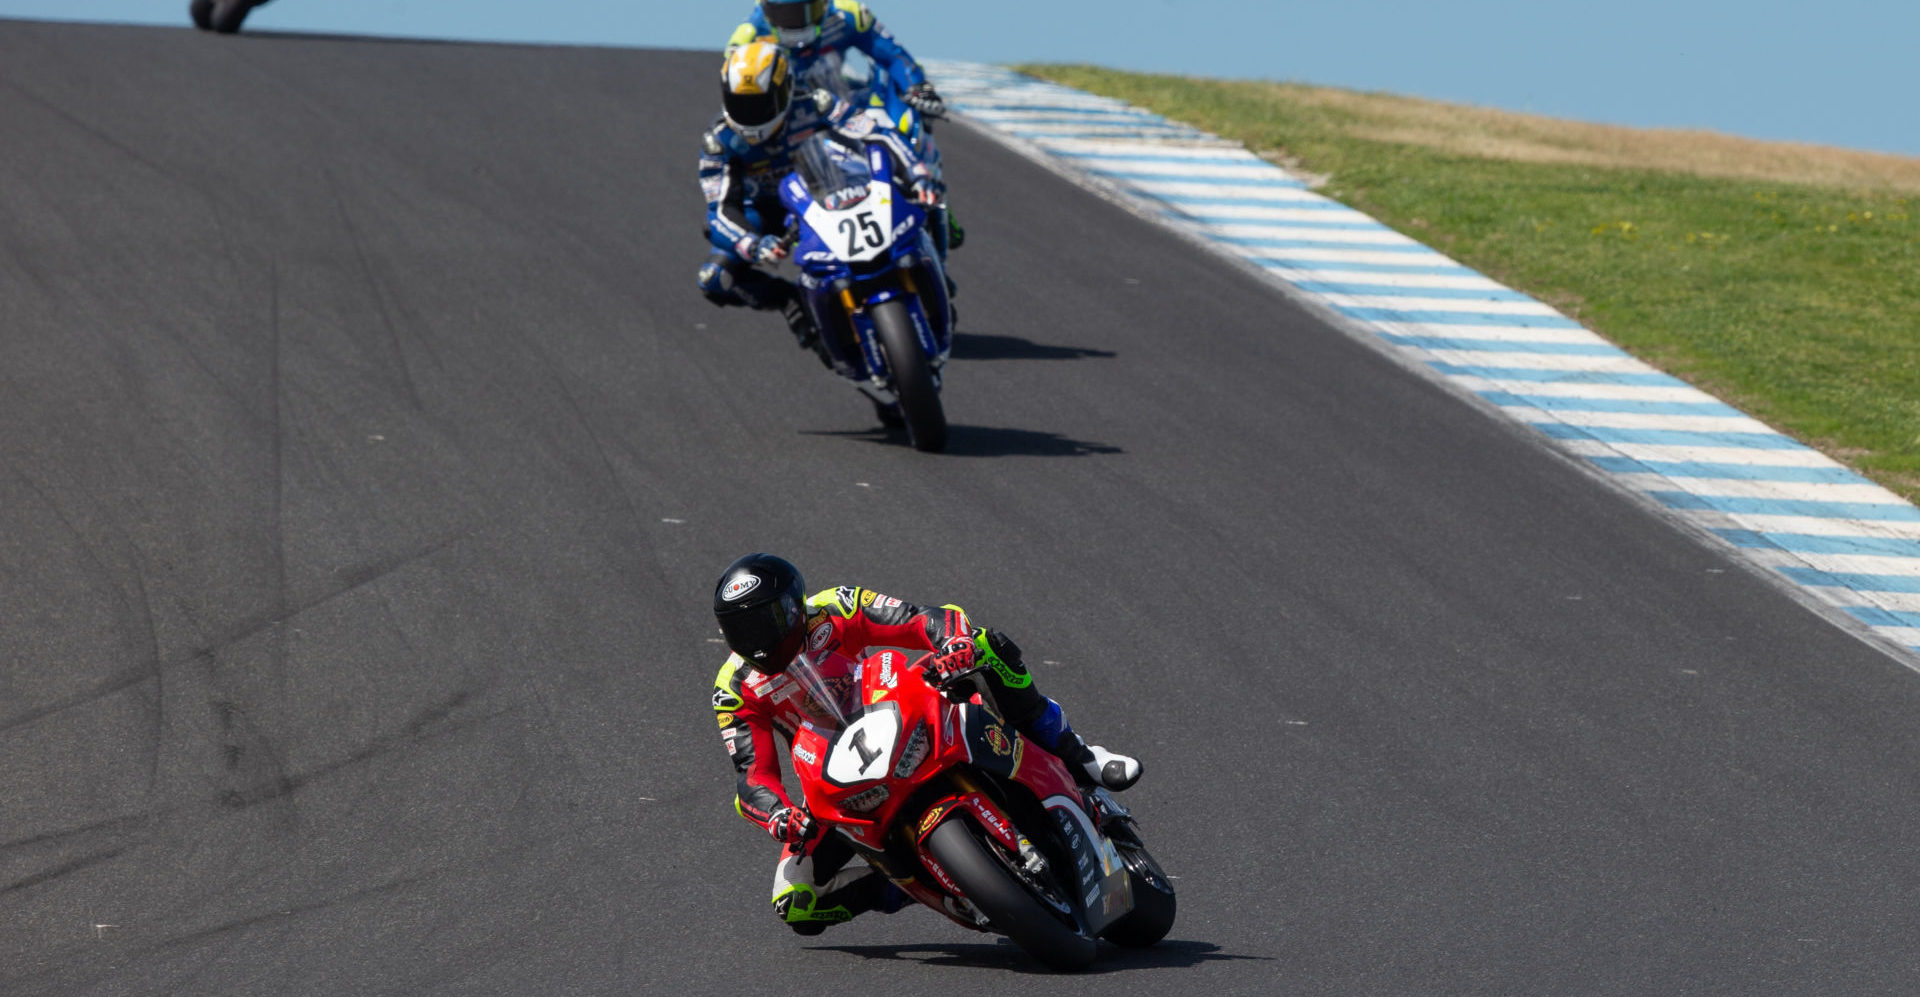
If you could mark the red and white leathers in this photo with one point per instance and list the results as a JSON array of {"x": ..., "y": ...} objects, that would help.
[{"x": 752, "y": 707}]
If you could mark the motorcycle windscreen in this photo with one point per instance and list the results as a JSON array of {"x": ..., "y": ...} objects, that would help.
[
  {"x": 837, "y": 178},
  {"x": 831, "y": 683}
]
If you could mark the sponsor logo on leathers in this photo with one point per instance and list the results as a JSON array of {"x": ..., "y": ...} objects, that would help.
[{"x": 821, "y": 636}]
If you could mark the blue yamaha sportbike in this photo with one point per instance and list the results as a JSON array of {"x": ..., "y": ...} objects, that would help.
[{"x": 872, "y": 277}]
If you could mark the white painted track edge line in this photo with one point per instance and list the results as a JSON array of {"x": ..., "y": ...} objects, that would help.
[{"x": 1152, "y": 208}]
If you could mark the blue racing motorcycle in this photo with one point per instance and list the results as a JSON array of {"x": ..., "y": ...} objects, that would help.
[{"x": 873, "y": 280}]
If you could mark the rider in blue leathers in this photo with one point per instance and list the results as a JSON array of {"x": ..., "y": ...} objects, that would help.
[
  {"x": 817, "y": 34},
  {"x": 748, "y": 151}
]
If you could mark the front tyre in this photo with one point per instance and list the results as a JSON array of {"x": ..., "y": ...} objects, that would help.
[
  {"x": 1014, "y": 912},
  {"x": 1153, "y": 903},
  {"x": 202, "y": 13},
  {"x": 912, "y": 377}
]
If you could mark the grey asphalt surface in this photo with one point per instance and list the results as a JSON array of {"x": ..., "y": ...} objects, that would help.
[{"x": 367, "y": 461}]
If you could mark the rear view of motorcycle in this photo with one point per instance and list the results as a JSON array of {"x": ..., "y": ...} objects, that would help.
[
  {"x": 967, "y": 817},
  {"x": 874, "y": 281}
]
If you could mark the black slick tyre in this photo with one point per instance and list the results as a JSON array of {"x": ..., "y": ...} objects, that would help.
[
  {"x": 202, "y": 13},
  {"x": 1153, "y": 903},
  {"x": 1014, "y": 912},
  {"x": 912, "y": 377},
  {"x": 228, "y": 15}
]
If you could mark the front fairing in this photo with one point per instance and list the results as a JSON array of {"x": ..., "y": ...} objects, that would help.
[
  {"x": 882, "y": 734},
  {"x": 840, "y": 244},
  {"x": 889, "y": 756}
]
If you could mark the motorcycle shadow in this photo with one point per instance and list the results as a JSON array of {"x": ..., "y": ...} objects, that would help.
[
  {"x": 986, "y": 346},
  {"x": 1007, "y": 956},
  {"x": 986, "y": 441}
]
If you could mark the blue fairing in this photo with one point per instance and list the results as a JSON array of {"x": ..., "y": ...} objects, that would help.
[{"x": 912, "y": 252}]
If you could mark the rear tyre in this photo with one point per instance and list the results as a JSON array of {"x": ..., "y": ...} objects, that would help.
[
  {"x": 912, "y": 377},
  {"x": 1153, "y": 902},
  {"x": 1014, "y": 912},
  {"x": 202, "y": 13},
  {"x": 229, "y": 14}
]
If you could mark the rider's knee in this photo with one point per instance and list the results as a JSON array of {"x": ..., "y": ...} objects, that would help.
[{"x": 714, "y": 278}]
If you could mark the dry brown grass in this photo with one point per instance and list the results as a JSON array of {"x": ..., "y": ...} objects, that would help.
[{"x": 1478, "y": 131}]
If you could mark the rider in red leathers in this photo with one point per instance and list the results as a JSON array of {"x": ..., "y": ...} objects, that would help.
[{"x": 763, "y": 611}]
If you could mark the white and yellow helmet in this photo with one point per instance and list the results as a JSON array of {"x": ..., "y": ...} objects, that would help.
[{"x": 756, "y": 86}]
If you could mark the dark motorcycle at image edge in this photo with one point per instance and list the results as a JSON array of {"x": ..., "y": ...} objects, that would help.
[{"x": 221, "y": 16}]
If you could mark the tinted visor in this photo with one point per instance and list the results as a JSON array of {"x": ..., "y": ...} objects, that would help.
[
  {"x": 753, "y": 109},
  {"x": 767, "y": 636},
  {"x": 793, "y": 16}
]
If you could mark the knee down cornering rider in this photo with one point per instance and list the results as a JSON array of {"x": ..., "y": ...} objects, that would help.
[
  {"x": 768, "y": 619},
  {"x": 743, "y": 157}
]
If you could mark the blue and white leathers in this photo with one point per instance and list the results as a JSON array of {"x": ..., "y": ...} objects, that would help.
[{"x": 863, "y": 242}]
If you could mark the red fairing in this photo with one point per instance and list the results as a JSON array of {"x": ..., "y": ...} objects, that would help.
[
  {"x": 904, "y": 735},
  {"x": 752, "y": 707},
  {"x": 1045, "y": 774},
  {"x": 908, "y": 716}
]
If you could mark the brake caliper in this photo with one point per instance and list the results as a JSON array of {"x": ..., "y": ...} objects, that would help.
[{"x": 1036, "y": 864}]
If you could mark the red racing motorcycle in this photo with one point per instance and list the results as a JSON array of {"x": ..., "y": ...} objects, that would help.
[{"x": 968, "y": 817}]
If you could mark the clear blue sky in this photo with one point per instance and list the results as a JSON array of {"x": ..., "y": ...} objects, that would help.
[{"x": 1839, "y": 72}]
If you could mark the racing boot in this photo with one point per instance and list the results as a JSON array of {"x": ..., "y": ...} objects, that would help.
[
  {"x": 810, "y": 910},
  {"x": 1093, "y": 765}
]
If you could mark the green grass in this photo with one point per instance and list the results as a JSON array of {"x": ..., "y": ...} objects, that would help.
[{"x": 1796, "y": 302}]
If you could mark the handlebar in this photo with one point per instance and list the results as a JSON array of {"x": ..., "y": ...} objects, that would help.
[{"x": 950, "y": 687}]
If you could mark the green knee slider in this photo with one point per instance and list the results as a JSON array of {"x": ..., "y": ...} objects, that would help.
[{"x": 799, "y": 904}]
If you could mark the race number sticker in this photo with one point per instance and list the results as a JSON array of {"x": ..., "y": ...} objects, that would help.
[
  {"x": 860, "y": 232},
  {"x": 864, "y": 751}
]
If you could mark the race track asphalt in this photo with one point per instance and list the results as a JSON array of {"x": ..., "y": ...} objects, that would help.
[{"x": 367, "y": 459}]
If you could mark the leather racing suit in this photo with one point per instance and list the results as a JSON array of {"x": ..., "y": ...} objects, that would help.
[
  {"x": 850, "y": 25},
  {"x": 812, "y": 887}
]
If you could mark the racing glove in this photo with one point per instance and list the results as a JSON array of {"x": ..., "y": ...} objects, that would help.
[
  {"x": 766, "y": 249},
  {"x": 922, "y": 97},
  {"x": 954, "y": 659},
  {"x": 790, "y": 824}
]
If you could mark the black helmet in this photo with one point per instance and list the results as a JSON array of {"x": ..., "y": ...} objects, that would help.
[
  {"x": 796, "y": 22},
  {"x": 761, "y": 603}
]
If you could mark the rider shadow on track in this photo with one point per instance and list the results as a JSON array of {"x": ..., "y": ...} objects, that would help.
[
  {"x": 1007, "y": 956},
  {"x": 986, "y": 346},
  {"x": 985, "y": 441}
]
